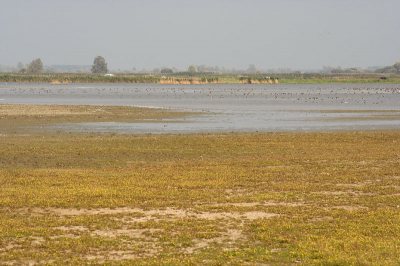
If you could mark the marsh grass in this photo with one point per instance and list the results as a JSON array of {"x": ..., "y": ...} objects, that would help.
[
  {"x": 79, "y": 78},
  {"x": 200, "y": 78},
  {"x": 207, "y": 199}
]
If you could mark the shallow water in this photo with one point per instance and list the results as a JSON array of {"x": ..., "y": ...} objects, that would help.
[{"x": 226, "y": 107}]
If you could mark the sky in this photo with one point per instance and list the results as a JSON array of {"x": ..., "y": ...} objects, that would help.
[{"x": 300, "y": 34}]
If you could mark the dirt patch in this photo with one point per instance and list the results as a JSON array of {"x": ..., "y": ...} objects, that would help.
[
  {"x": 228, "y": 238},
  {"x": 117, "y": 255},
  {"x": 347, "y": 193},
  {"x": 255, "y": 204},
  {"x": 133, "y": 233},
  {"x": 356, "y": 185},
  {"x": 72, "y": 228},
  {"x": 350, "y": 208},
  {"x": 147, "y": 215}
]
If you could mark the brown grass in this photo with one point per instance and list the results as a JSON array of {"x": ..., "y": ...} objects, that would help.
[
  {"x": 185, "y": 81},
  {"x": 56, "y": 82}
]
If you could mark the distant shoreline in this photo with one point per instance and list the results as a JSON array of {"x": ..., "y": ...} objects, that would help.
[{"x": 202, "y": 78}]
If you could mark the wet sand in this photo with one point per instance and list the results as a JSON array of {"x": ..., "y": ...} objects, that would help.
[{"x": 220, "y": 107}]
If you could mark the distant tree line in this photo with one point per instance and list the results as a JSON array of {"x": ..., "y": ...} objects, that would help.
[
  {"x": 394, "y": 69},
  {"x": 100, "y": 67},
  {"x": 21, "y": 68}
]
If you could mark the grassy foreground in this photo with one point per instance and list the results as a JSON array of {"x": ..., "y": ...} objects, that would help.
[{"x": 213, "y": 199}]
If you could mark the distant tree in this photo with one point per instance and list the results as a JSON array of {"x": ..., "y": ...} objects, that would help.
[
  {"x": 352, "y": 70},
  {"x": 99, "y": 65},
  {"x": 192, "y": 69},
  {"x": 166, "y": 71},
  {"x": 387, "y": 69},
  {"x": 337, "y": 70},
  {"x": 201, "y": 68},
  {"x": 49, "y": 69},
  {"x": 397, "y": 67},
  {"x": 156, "y": 70},
  {"x": 20, "y": 65},
  {"x": 285, "y": 70},
  {"x": 34, "y": 67},
  {"x": 251, "y": 69},
  {"x": 326, "y": 69},
  {"x": 23, "y": 70},
  {"x": 209, "y": 68}
]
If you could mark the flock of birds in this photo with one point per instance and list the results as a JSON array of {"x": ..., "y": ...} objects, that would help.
[
  {"x": 188, "y": 94},
  {"x": 228, "y": 106}
]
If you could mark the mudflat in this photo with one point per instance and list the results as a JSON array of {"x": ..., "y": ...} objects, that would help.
[
  {"x": 25, "y": 118},
  {"x": 211, "y": 108}
]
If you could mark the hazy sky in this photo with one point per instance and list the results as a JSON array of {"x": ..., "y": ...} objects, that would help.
[{"x": 301, "y": 34}]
